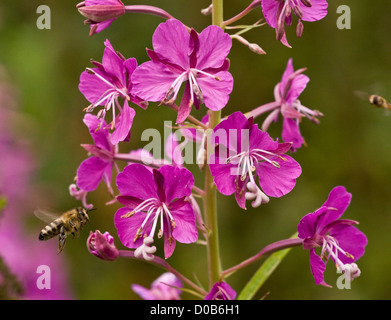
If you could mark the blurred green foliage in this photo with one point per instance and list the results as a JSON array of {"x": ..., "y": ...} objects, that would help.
[{"x": 350, "y": 147}]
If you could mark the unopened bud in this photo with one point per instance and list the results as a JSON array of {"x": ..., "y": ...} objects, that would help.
[
  {"x": 299, "y": 29},
  {"x": 102, "y": 246},
  {"x": 207, "y": 11},
  {"x": 256, "y": 48},
  {"x": 99, "y": 13}
]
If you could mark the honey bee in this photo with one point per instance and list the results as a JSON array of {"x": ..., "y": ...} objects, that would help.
[
  {"x": 69, "y": 223},
  {"x": 379, "y": 102}
]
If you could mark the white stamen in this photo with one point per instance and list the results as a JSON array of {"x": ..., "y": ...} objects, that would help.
[
  {"x": 255, "y": 193},
  {"x": 124, "y": 94},
  {"x": 145, "y": 250}
]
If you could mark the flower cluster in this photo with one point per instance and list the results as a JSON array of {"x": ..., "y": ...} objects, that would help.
[{"x": 158, "y": 198}]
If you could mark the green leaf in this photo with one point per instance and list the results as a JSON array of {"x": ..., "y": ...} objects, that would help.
[{"x": 263, "y": 273}]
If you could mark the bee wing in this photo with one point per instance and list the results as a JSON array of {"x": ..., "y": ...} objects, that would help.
[
  {"x": 361, "y": 94},
  {"x": 46, "y": 216}
]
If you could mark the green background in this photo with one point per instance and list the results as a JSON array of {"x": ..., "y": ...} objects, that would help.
[{"x": 351, "y": 146}]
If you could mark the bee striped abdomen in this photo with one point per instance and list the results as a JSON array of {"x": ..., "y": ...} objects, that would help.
[{"x": 51, "y": 230}]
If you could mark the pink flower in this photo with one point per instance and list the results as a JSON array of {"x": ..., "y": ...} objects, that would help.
[
  {"x": 166, "y": 287},
  {"x": 99, "y": 166},
  {"x": 286, "y": 94},
  {"x": 245, "y": 152},
  {"x": 338, "y": 239},
  {"x": 102, "y": 246},
  {"x": 200, "y": 60},
  {"x": 279, "y": 12},
  {"x": 105, "y": 84},
  {"x": 221, "y": 291},
  {"x": 148, "y": 197},
  {"x": 100, "y": 13}
]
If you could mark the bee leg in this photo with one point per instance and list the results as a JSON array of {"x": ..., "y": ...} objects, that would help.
[
  {"x": 74, "y": 229},
  {"x": 61, "y": 239}
]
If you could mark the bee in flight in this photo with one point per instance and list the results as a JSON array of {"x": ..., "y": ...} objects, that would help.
[
  {"x": 379, "y": 102},
  {"x": 69, "y": 223}
]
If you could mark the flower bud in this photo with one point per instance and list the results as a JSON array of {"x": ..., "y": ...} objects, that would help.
[
  {"x": 102, "y": 246},
  {"x": 103, "y": 12},
  {"x": 299, "y": 29},
  {"x": 256, "y": 48}
]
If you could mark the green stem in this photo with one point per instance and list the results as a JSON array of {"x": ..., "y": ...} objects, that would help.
[
  {"x": 210, "y": 199},
  {"x": 217, "y": 13},
  {"x": 210, "y": 209}
]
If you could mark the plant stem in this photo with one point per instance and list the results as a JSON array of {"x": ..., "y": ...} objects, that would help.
[
  {"x": 273, "y": 247},
  {"x": 157, "y": 261},
  {"x": 252, "y": 6},
  {"x": 210, "y": 209},
  {"x": 217, "y": 13},
  {"x": 210, "y": 198}
]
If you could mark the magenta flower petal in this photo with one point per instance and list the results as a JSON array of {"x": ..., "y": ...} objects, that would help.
[
  {"x": 308, "y": 224},
  {"x": 351, "y": 240},
  {"x": 166, "y": 287},
  {"x": 144, "y": 293},
  {"x": 270, "y": 10},
  {"x": 292, "y": 88},
  {"x": 317, "y": 11},
  {"x": 125, "y": 121},
  {"x": 221, "y": 291},
  {"x": 92, "y": 87},
  {"x": 185, "y": 106},
  {"x": 127, "y": 228},
  {"x": 337, "y": 202},
  {"x": 185, "y": 230},
  {"x": 214, "y": 47},
  {"x": 216, "y": 92},
  {"x": 100, "y": 137},
  {"x": 291, "y": 132},
  {"x": 177, "y": 182},
  {"x": 136, "y": 181},
  {"x": 91, "y": 172},
  {"x": 318, "y": 267},
  {"x": 96, "y": 28},
  {"x": 152, "y": 80},
  {"x": 278, "y": 181},
  {"x": 223, "y": 177},
  {"x": 113, "y": 64},
  {"x": 171, "y": 42},
  {"x": 169, "y": 244}
]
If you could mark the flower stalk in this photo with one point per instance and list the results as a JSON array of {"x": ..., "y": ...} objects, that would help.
[
  {"x": 157, "y": 261},
  {"x": 252, "y": 6},
  {"x": 273, "y": 247},
  {"x": 210, "y": 198}
]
